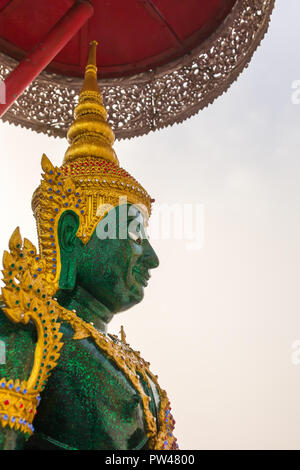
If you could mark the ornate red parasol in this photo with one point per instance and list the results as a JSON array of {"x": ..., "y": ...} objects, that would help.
[{"x": 161, "y": 60}]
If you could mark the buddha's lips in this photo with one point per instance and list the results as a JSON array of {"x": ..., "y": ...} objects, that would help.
[{"x": 141, "y": 275}]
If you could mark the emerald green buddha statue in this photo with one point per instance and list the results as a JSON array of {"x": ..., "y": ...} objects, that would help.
[{"x": 66, "y": 382}]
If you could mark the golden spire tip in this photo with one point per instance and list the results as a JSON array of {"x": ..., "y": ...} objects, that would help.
[{"x": 90, "y": 135}]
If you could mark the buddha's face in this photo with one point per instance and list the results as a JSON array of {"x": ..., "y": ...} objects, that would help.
[{"x": 115, "y": 263}]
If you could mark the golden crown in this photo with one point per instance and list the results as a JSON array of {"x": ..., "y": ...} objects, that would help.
[{"x": 90, "y": 178}]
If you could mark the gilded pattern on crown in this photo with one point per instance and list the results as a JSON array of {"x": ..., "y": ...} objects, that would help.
[{"x": 90, "y": 179}]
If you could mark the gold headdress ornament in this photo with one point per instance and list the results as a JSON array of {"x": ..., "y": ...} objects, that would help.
[{"x": 90, "y": 178}]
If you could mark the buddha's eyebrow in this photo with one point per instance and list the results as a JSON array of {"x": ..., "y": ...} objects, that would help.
[
  {"x": 137, "y": 216},
  {"x": 133, "y": 216}
]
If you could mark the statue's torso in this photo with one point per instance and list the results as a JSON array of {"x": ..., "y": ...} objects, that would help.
[
  {"x": 90, "y": 404},
  {"x": 92, "y": 399}
]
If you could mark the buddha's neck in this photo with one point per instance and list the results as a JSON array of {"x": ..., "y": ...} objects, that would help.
[{"x": 86, "y": 306}]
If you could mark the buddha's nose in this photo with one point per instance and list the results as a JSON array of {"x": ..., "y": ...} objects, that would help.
[{"x": 150, "y": 258}]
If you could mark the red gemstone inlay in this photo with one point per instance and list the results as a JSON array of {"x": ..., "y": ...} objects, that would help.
[
  {"x": 6, "y": 402},
  {"x": 21, "y": 405}
]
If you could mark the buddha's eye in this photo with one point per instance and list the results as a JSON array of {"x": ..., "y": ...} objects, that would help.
[{"x": 135, "y": 237}]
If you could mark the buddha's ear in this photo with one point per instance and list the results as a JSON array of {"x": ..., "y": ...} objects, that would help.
[
  {"x": 68, "y": 243},
  {"x": 66, "y": 231}
]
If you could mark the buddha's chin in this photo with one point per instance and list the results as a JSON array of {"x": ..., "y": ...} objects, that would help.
[
  {"x": 137, "y": 293},
  {"x": 133, "y": 298}
]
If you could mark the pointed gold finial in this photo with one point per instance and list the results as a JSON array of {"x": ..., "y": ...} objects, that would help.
[
  {"x": 90, "y": 77},
  {"x": 90, "y": 135}
]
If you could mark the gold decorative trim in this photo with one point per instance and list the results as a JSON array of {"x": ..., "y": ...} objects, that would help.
[
  {"x": 131, "y": 364},
  {"x": 28, "y": 297},
  {"x": 17, "y": 405}
]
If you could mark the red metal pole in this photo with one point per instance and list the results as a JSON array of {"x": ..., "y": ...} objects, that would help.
[{"x": 41, "y": 56}]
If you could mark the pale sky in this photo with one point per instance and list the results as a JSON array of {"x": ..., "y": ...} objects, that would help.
[{"x": 217, "y": 324}]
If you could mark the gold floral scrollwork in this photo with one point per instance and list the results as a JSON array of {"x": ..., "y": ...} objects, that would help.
[{"x": 28, "y": 297}]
